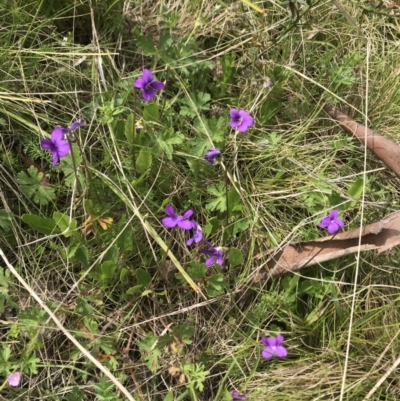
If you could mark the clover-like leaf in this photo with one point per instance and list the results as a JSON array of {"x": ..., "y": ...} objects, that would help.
[{"x": 31, "y": 185}]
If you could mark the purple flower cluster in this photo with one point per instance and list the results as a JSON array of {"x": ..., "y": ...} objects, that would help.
[
  {"x": 57, "y": 145},
  {"x": 182, "y": 221},
  {"x": 240, "y": 119}
]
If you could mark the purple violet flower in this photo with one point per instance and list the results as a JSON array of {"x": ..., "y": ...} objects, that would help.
[
  {"x": 273, "y": 347},
  {"x": 14, "y": 378},
  {"x": 241, "y": 120},
  {"x": 57, "y": 146},
  {"x": 332, "y": 222},
  {"x": 211, "y": 155},
  {"x": 75, "y": 125},
  {"x": 148, "y": 85},
  {"x": 197, "y": 234},
  {"x": 237, "y": 396},
  {"x": 177, "y": 220},
  {"x": 215, "y": 253}
]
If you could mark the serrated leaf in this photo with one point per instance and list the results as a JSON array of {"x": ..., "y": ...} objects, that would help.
[
  {"x": 175, "y": 139},
  {"x": 31, "y": 185},
  {"x": 235, "y": 257},
  {"x": 202, "y": 100},
  {"x": 187, "y": 111},
  {"x": 152, "y": 360},
  {"x": 42, "y": 225},
  {"x": 219, "y": 203},
  {"x": 197, "y": 270},
  {"x": 168, "y": 138},
  {"x": 144, "y": 160},
  {"x": 143, "y": 277}
]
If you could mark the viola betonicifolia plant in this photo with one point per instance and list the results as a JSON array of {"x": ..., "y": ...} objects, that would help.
[
  {"x": 59, "y": 146},
  {"x": 332, "y": 223}
]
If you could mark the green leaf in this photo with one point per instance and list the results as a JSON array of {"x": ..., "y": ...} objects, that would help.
[
  {"x": 82, "y": 256},
  {"x": 130, "y": 129},
  {"x": 107, "y": 270},
  {"x": 31, "y": 185},
  {"x": 169, "y": 396},
  {"x": 143, "y": 277},
  {"x": 72, "y": 249},
  {"x": 356, "y": 188},
  {"x": 5, "y": 222},
  {"x": 215, "y": 285},
  {"x": 4, "y": 278},
  {"x": 219, "y": 202},
  {"x": 42, "y": 225},
  {"x": 75, "y": 395},
  {"x": 211, "y": 227},
  {"x": 91, "y": 325},
  {"x": 165, "y": 141},
  {"x": 146, "y": 43},
  {"x": 201, "y": 102},
  {"x": 83, "y": 308},
  {"x": 144, "y": 160},
  {"x": 235, "y": 257},
  {"x": 197, "y": 270},
  {"x": 152, "y": 360},
  {"x": 240, "y": 226},
  {"x": 124, "y": 272},
  {"x": 112, "y": 254},
  {"x": 234, "y": 201},
  {"x": 67, "y": 167},
  {"x": 134, "y": 290},
  {"x": 217, "y": 281},
  {"x": 125, "y": 240},
  {"x": 6, "y": 352},
  {"x": 151, "y": 113},
  {"x": 64, "y": 224}
]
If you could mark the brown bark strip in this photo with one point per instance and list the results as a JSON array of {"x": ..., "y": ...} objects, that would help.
[
  {"x": 381, "y": 235},
  {"x": 383, "y": 148}
]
